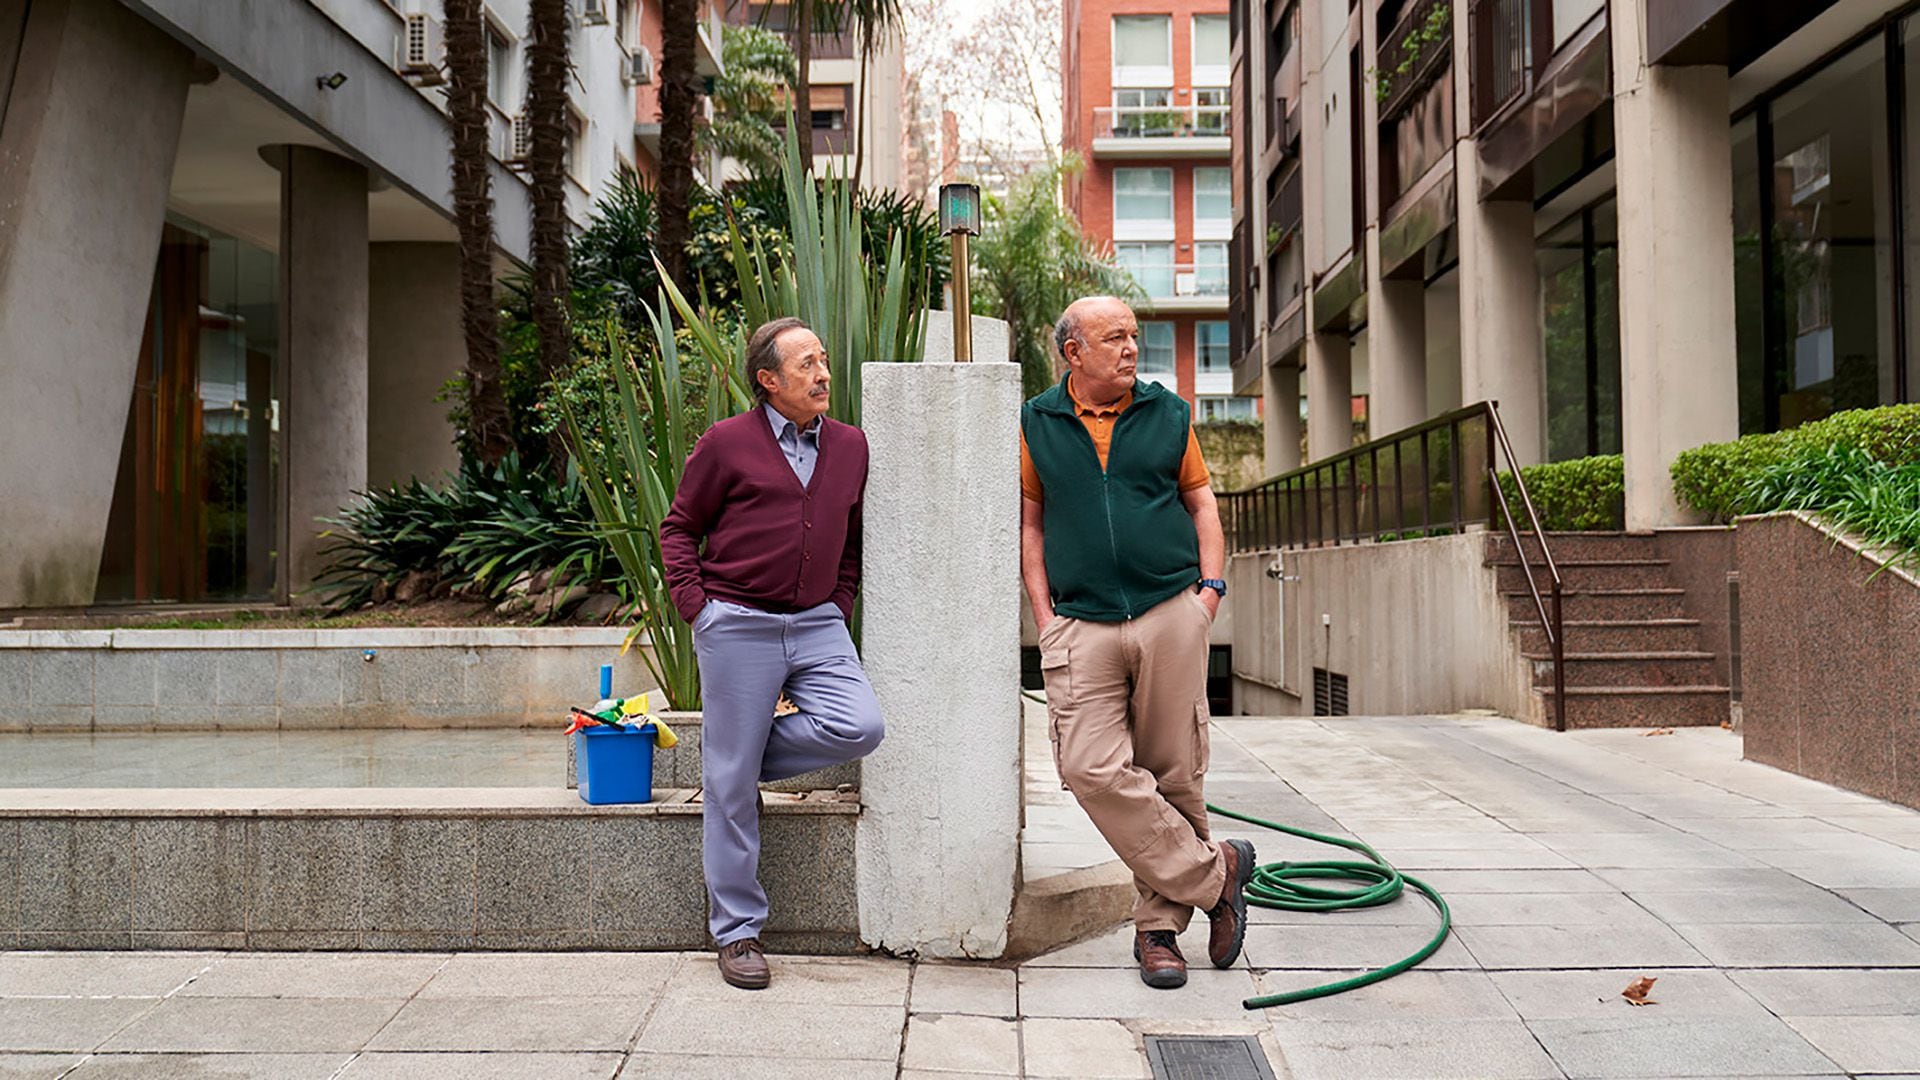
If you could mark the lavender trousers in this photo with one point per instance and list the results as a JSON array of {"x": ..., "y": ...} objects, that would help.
[{"x": 747, "y": 658}]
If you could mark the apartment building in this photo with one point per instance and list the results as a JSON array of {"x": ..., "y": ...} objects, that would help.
[
  {"x": 640, "y": 29},
  {"x": 229, "y": 288},
  {"x": 857, "y": 101},
  {"x": 1638, "y": 225},
  {"x": 1145, "y": 103}
]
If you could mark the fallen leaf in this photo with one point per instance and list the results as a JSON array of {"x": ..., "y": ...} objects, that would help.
[
  {"x": 1637, "y": 990},
  {"x": 1727, "y": 725},
  {"x": 1660, "y": 731}
]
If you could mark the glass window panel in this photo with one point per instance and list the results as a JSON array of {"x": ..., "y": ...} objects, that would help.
[
  {"x": 1210, "y": 110},
  {"x": 1215, "y": 408},
  {"x": 499, "y": 68},
  {"x": 1150, "y": 264},
  {"x": 1570, "y": 15},
  {"x": 1749, "y": 292},
  {"x": 1210, "y": 269},
  {"x": 1143, "y": 194},
  {"x": 1143, "y": 41},
  {"x": 1213, "y": 194},
  {"x": 1210, "y": 45},
  {"x": 1579, "y": 295},
  {"x": 1212, "y": 352},
  {"x": 1156, "y": 348},
  {"x": 1143, "y": 111}
]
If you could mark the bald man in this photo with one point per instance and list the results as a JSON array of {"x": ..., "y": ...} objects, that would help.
[{"x": 1123, "y": 559}]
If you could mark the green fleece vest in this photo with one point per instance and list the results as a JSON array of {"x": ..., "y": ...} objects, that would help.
[{"x": 1118, "y": 540}]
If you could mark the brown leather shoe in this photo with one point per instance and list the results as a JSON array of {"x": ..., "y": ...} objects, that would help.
[
  {"x": 1229, "y": 915},
  {"x": 1161, "y": 965},
  {"x": 743, "y": 964}
]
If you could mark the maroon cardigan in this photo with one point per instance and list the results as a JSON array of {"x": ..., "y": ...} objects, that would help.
[{"x": 770, "y": 543}]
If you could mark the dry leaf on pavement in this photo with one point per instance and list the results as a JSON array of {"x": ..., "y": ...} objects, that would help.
[
  {"x": 1661, "y": 731},
  {"x": 1637, "y": 990}
]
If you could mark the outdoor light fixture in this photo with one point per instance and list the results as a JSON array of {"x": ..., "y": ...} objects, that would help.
[
  {"x": 960, "y": 218},
  {"x": 332, "y": 82}
]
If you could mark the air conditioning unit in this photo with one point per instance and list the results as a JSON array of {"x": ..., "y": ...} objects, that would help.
[
  {"x": 593, "y": 12},
  {"x": 520, "y": 140},
  {"x": 421, "y": 48},
  {"x": 639, "y": 67}
]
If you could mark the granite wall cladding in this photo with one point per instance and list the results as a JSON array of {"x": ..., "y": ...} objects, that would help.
[
  {"x": 1830, "y": 659},
  {"x": 414, "y": 878},
  {"x": 204, "y": 680},
  {"x": 1701, "y": 559}
]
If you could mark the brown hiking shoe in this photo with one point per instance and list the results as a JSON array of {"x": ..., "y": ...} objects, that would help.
[
  {"x": 1161, "y": 965},
  {"x": 743, "y": 964},
  {"x": 1229, "y": 915}
]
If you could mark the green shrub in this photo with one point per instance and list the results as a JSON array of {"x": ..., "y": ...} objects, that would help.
[
  {"x": 1583, "y": 495},
  {"x": 1717, "y": 479}
]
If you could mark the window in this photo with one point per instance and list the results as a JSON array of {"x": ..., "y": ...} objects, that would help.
[
  {"x": 499, "y": 68},
  {"x": 623, "y": 28},
  {"x": 1143, "y": 50},
  {"x": 1143, "y": 111},
  {"x": 1143, "y": 195},
  {"x": 1213, "y": 354},
  {"x": 1156, "y": 348},
  {"x": 829, "y": 107},
  {"x": 1150, "y": 264},
  {"x": 1210, "y": 110},
  {"x": 1214, "y": 409},
  {"x": 1210, "y": 269},
  {"x": 578, "y": 151},
  {"x": 1212, "y": 195},
  {"x": 1211, "y": 51}
]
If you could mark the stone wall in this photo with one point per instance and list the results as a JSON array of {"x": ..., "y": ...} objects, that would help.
[{"x": 1830, "y": 659}]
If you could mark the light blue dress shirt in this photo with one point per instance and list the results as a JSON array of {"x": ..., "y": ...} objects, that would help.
[{"x": 801, "y": 447}]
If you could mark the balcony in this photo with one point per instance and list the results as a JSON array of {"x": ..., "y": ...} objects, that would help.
[
  {"x": 1415, "y": 52},
  {"x": 1174, "y": 288},
  {"x": 1162, "y": 131}
]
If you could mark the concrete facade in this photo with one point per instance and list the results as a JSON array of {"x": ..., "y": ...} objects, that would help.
[
  {"x": 414, "y": 345},
  {"x": 90, "y": 129},
  {"x": 1501, "y": 354},
  {"x": 1329, "y": 395},
  {"x": 1282, "y": 390},
  {"x": 939, "y": 839}
]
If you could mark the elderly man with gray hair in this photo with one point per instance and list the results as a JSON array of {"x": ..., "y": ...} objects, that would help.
[{"x": 1122, "y": 554}]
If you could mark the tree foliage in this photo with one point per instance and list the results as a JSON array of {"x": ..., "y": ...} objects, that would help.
[{"x": 747, "y": 98}]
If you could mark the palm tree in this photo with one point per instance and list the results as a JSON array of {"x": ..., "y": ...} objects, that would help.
[
  {"x": 679, "y": 103},
  {"x": 547, "y": 174},
  {"x": 871, "y": 20},
  {"x": 489, "y": 434}
]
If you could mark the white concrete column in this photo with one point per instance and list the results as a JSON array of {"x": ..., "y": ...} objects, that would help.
[
  {"x": 323, "y": 345},
  {"x": 1396, "y": 355},
  {"x": 1443, "y": 345},
  {"x": 939, "y": 837},
  {"x": 415, "y": 343},
  {"x": 1282, "y": 419},
  {"x": 1501, "y": 354},
  {"x": 1679, "y": 374},
  {"x": 91, "y": 125},
  {"x": 1329, "y": 395}
]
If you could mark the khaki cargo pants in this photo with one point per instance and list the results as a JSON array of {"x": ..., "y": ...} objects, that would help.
[{"x": 1127, "y": 703}]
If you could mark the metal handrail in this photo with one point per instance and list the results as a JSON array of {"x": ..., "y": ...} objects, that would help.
[
  {"x": 1161, "y": 121},
  {"x": 1553, "y": 627}
]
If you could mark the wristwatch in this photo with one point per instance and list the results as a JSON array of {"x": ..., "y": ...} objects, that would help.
[{"x": 1216, "y": 585}]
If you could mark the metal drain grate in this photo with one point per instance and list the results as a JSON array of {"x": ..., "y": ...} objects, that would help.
[{"x": 1189, "y": 1057}]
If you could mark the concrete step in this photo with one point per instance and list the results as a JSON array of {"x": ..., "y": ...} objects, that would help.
[
  {"x": 1639, "y": 706},
  {"x": 1648, "y": 669},
  {"x": 1614, "y": 636},
  {"x": 1603, "y": 604},
  {"x": 1565, "y": 545},
  {"x": 1592, "y": 574}
]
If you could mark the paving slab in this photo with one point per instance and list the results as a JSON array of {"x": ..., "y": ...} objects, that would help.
[
  {"x": 1081, "y": 1050},
  {"x": 1092, "y": 993},
  {"x": 1803, "y": 945},
  {"x": 1647, "y": 1044},
  {"x": 973, "y": 1044},
  {"x": 1834, "y": 991},
  {"x": 1595, "y": 993},
  {"x": 572, "y": 1023},
  {"x": 254, "y": 1025},
  {"x": 1897, "y": 905},
  {"x": 55, "y": 1024},
  {"x": 537, "y": 975},
  {"x": 1432, "y": 1049},
  {"x": 210, "y": 1067},
  {"x": 1312, "y": 946},
  {"x": 1648, "y": 944},
  {"x": 1545, "y": 909},
  {"x": 498, "y": 1066},
  {"x": 317, "y": 975},
  {"x": 964, "y": 989},
  {"x": 798, "y": 980},
  {"x": 1413, "y": 995},
  {"x": 743, "y": 1062},
  {"x": 774, "y": 1029},
  {"x": 99, "y": 974},
  {"x": 1864, "y": 1044},
  {"x": 37, "y": 1066},
  {"x": 1753, "y": 906}
]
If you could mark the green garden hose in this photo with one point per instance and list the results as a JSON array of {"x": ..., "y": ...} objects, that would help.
[{"x": 1283, "y": 885}]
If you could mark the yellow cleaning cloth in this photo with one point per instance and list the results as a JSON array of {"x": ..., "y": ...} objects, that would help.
[{"x": 664, "y": 737}]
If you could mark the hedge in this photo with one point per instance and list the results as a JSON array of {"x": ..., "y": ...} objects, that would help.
[
  {"x": 1719, "y": 479},
  {"x": 1583, "y": 495}
]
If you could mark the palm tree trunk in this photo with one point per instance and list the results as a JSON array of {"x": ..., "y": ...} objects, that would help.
[
  {"x": 489, "y": 434},
  {"x": 547, "y": 168},
  {"x": 803, "y": 81},
  {"x": 679, "y": 100},
  {"x": 859, "y": 107}
]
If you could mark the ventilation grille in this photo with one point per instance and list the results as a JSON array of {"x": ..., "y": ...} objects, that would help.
[
  {"x": 1329, "y": 693},
  {"x": 1182, "y": 1057}
]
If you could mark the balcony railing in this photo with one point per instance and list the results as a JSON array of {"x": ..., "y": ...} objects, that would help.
[
  {"x": 1161, "y": 121},
  {"x": 1503, "y": 52},
  {"x": 1162, "y": 281},
  {"x": 1419, "y": 46}
]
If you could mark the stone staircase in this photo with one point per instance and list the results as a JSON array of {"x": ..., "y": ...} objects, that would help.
[{"x": 1634, "y": 658}]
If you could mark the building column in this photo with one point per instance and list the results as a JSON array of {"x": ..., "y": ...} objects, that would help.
[
  {"x": 415, "y": 343},
  {"x": 1502, "y": 357},
  {"x": 1442, "y": 300},
  {"x": 1679, "y": 372},
  {"x": 1282, "y": 409},
  {"x": 1329, "y": 395},
  {"x": 323, "y": 345},
  {"x": 1396, "y": 355},
  {"x": 92, "y": 122}
]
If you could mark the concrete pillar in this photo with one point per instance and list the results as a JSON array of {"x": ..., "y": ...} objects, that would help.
[
  {"x": 415, "y": 343},
  {"x": 1501, "y": 354},
  {"x": 91, "y": 125},
  {"x": 1282, "y": 418},
  {"x": 939, "y": 839},
  {"x": 323, "y": 344},
  {"x": 1396, "y": 356},
  {"x": 1679, "y": 375},
  {"x": 1329, "y": 395},
  {"x": 1443, "y": 345}
]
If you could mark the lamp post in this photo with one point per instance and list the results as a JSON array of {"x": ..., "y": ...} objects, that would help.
[{"x": 959, "y": 219}]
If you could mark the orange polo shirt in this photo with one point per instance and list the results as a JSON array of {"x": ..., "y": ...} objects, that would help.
[{"x": 1099, "y": 421}]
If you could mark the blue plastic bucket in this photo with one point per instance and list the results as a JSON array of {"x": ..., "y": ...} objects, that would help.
[{"x": 615, "y": 766}]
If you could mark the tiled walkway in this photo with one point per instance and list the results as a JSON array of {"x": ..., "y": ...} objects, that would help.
[{"x": 1778, "y": 915}]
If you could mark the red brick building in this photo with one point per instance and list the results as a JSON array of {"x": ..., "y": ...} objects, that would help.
[{"x": 1145, "y": 108}]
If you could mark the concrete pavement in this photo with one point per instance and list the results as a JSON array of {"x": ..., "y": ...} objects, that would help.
[{"x": 1778, "y": 915}]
